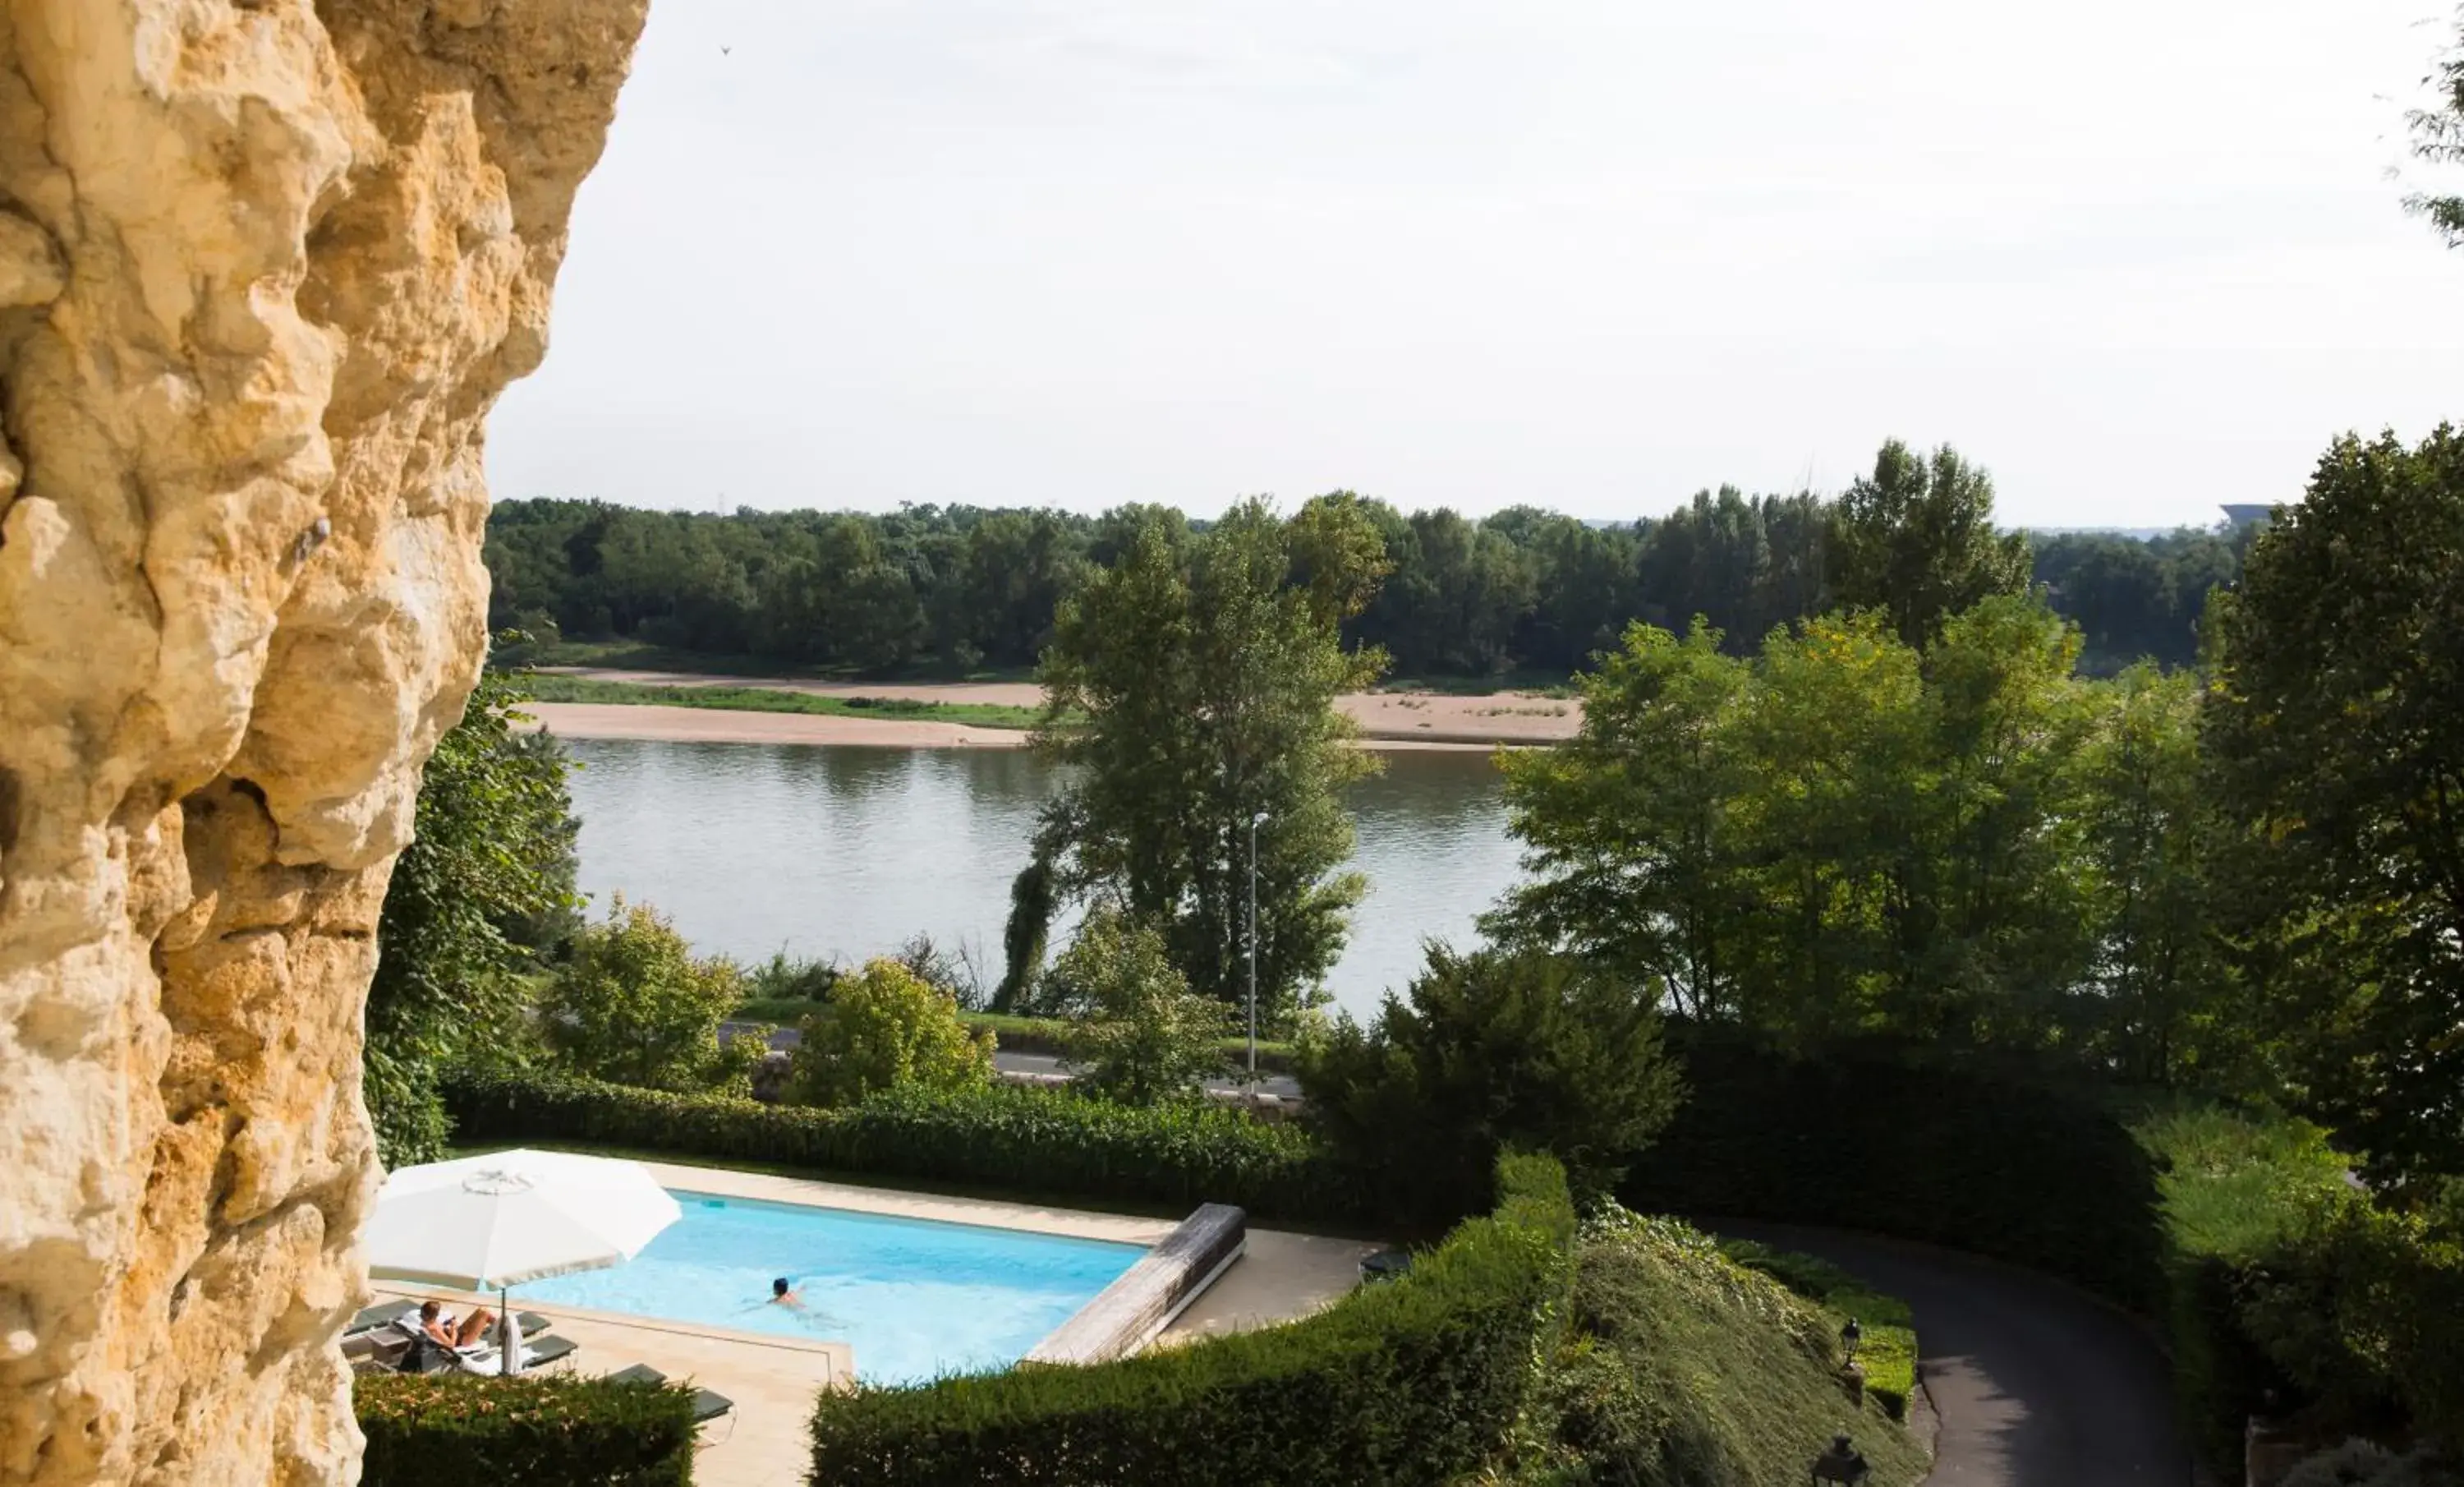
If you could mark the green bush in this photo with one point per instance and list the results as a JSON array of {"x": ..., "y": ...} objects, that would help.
[
  {"x": 1140, "y": 1033},
  {"x": 1045, "y": 1143},
  {"x": 1494, "y": 1051},
  {"x": 632, "y": 1002},
  {"x": 886, "y": 1027},
  {"x": 1417, "y": 1380},
  {"x": 537, "y": 1431}
]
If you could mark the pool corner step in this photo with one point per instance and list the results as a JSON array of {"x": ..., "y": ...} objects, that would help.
[{"x": 1126, "y": 1314}]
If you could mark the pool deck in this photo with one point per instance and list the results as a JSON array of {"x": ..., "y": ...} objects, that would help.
[{"x": 1284, "y": 1276}]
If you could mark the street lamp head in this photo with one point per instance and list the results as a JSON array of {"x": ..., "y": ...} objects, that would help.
[
  {"x": 1260, "y": 819},
  {"x": 1843, "y": 1464}
]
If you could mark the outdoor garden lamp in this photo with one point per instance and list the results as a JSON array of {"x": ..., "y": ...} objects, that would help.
[
  {"x": 1849, "y": 1335},
  {"x": 1843, "y": 1463}
]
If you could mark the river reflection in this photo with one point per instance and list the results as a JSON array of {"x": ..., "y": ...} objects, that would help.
[{"x": 821, "y": 850}]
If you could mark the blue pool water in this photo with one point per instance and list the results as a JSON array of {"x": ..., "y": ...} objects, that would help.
[{"x": 915, "y": 1298}]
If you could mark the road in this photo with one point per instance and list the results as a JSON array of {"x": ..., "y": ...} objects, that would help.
[
  {"x": 1283, "y": 1085},
  {"x": 2035, "y": 1383}
]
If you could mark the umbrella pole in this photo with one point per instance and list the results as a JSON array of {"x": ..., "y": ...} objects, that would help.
[{"x": 505, "y": 1332}]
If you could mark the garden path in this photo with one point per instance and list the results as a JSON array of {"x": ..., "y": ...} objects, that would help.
[{"x": 2035, "y": 1383}]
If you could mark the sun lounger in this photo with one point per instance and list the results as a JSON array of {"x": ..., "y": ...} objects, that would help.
[
  {"x": 378, "y": 1315},
  {"x": 707, "y": 1405},
  {"x": 490, "y": 1357}
]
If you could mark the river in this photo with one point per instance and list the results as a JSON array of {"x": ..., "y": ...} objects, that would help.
[{"x": 845, "y": 851}]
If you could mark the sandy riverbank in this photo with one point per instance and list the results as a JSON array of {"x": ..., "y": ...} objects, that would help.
[{"x": 1388, "y": 720}]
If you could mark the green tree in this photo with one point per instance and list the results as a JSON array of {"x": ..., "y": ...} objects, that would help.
[
  {"x": 1492, "y": 1049},
  {"x": 2334, "y": 724},
  {"x": 885, "y": 1026},
  {"x": 633, "y": 1005},
  {"x": 1629, "y": 832},
  {"x": 2438, "y": 139},
  {"x": 1916, "y": 541},
  {"x": 1192, "y": 686},
  {"x": 2152, "y": 834},
  {"x": 1141, "y": 1034},
  {"x": 489, "y": 861},
  {"x": 1834, "y": 745}
]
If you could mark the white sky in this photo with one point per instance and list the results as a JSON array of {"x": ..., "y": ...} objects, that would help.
[{"x": 2137, "y": 257}]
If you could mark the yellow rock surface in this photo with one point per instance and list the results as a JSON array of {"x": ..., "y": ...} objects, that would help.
[{"x": 264, "y": 267}]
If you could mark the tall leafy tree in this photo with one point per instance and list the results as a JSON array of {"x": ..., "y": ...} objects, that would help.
[
  {"x": 2152, "y": 834},
  {"x": 2335, "y": 724},
  {"x": 489, "y": 864},
  {"x": 1629, "y": 831},
  {"x": 1192, "y": 682},
  {"x": 1916, "y": 541}
]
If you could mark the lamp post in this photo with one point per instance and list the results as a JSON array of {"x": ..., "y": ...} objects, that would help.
[
  {"x": 1255, "y": 822},
  {"x": 1841, "y": 1464},
  {"x": 1849, "y": 1335}
]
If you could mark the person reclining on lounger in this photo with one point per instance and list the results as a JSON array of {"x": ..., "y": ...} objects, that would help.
[{"x": 440, "y": 1327}]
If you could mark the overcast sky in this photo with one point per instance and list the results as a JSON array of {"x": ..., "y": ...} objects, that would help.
[{"x": 2136, "y": 257}]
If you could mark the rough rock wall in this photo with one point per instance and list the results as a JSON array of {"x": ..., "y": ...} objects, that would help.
[{"x": 264, "y": 265}]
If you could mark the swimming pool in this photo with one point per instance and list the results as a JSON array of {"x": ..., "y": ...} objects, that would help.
[{"x": 914, "y": 1298}]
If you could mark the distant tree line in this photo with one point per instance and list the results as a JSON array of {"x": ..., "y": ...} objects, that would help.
[{"x": 1524, "y": 592}]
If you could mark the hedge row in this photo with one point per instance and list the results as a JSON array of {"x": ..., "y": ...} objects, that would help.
[
  {"x": 537, "y": 1431},
  {"x": 1023, "y": 1139},
  {"x": 1868, "y": 1139},
  {"x": 1414, "y": 1381}
]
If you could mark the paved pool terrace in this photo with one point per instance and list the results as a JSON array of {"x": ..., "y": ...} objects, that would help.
[{"x": 1282, "y": 1277}]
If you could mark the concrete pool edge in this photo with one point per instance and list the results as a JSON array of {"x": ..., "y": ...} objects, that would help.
[
  {"x": 808, "y": 1192},
  {"x": 1141, "y": 1301}
]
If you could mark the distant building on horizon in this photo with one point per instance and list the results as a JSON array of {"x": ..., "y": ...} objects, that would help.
[{"x": 2248, "y": 516}]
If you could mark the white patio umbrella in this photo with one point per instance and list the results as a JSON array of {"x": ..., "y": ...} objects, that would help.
[{"x": 490, "y": 1223}]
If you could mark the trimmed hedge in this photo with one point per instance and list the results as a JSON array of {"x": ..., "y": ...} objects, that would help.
[
  {"x": 1023, "y": 1139},
  {"x": 1419, "y": 1380},
  {"x": 537, "y": 1431},
  {"x": 1866, "y": 1138}
]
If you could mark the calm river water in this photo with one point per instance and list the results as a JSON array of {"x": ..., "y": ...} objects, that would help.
[{"x": 846, "y": 852}]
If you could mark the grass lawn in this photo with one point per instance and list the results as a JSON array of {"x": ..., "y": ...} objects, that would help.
[
  {"x": 1888, "y": 1352},
  {"x": 547, "y": 687}
]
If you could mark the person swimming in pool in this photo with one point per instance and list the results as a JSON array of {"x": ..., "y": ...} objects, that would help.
[{"x": 781, "y": 1293}]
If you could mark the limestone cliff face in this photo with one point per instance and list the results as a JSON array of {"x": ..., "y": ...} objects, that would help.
[{"x": 264, "y": 266}]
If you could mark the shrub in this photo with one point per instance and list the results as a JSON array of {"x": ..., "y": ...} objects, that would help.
[
  {"x": 1417, "y": 1380},
  {"x": 633, "y": 1003},
  {"x": 537, "y": 1430},
  {"x": 1493, "y": 1050},
  {"x": 887, "y": 1028},
  {"x": 1142, "y": 1035},
  {"x": 1040, "y": 1143},
  {"x": 781, "y": 979}
]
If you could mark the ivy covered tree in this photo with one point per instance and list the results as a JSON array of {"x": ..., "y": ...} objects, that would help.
[
  {"x": 487, "y": 877},
  {"x": 1192, "y": 684},
  {"x": 2334, "y": 721}
]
